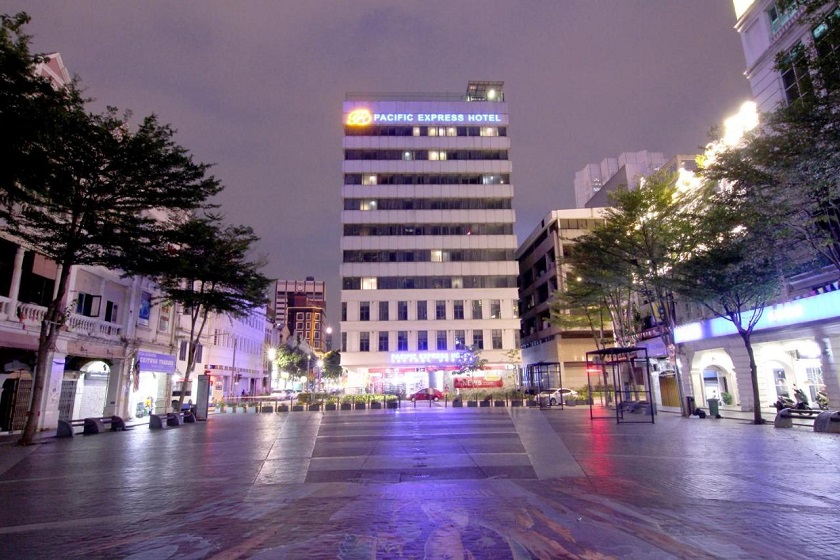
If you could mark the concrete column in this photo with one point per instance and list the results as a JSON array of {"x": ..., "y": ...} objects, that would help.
[
  {"x": 14, "y": 289},
  {"x": 116, "y": 399},
  {"x": 52, "y": 391},
  {"x": 830, "y": 370},
  {"x": 58, "y": 270},
  {"x": 741, "y": 364}
]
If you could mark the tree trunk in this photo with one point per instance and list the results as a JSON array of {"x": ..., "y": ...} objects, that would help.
[
  {"x": 745, "y": 336},
  {"x": 46, "y": 342}
]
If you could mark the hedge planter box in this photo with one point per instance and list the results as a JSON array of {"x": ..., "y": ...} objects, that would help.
[
  {"x": 361, "y": 406},
  {"x": 346, "y": 406},
  {"x": 375, "y": 405},
  {"x": 283, "y": 408},
  {"x": 532, "y": 403},
  {"x": 297, "y": 408},
  {"x": 484, "y": 404},
  {"x": 458, "y": 403},
  {"x": 315, "y": 407},
  {"x": 499, "y": 403},
  {"x": 472, "y": 404},
  {"x": 516, "y": 402},
  {"x": 330, "y": 406},
  {"x": 267, "y": 408},
  {"x": 393, "y": 404}
]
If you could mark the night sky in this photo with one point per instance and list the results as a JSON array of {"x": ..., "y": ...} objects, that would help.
[{"x": 257, "y": 87}]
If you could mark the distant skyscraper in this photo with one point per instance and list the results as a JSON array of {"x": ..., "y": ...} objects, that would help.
[
  {"x": 623, "y": 170},
  {"x": 428, "y": 245}
]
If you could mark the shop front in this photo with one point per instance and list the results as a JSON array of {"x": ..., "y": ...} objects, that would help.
[{"x": 150, "y": 391}]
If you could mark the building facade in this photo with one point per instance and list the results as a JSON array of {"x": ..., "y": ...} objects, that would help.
[
  {"x": 428, "y": 266},
  {"x": 797, "y": 338},
  {"x": 300, "y": 306},
  {"x": 611, "y": 173},
  {"x": 541, "y": 274}
]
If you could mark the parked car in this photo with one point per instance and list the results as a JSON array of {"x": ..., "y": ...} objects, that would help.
[
  {"x": 426, "y": 395},
  {"x": 556, "y": 396}
]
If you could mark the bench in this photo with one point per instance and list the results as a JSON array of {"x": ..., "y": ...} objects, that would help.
[
  {"x": 784, "y": 418},
  {"x": 66, "y": 428},
  {"x": 160, "y": 421}
]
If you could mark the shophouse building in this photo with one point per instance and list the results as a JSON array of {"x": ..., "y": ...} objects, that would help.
[
  {"x": 797, "y": 339},
  {"x": 428, "y": 266}
]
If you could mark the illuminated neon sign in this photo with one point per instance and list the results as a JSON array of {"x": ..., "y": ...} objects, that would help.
[
  {"x": 424, "y": 357},
  {"x": 359, "y": 117},
  {"x": 814, "y": 308},
  {"x": 364, "y": 117}
]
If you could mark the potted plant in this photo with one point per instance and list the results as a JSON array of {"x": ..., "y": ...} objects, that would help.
[
  {"x": 516, "y": 397},
  {"x": 726, "y": 397},
  {"x": 499, "y": 402},
  {"x": 375, "y": 404},
  {"x": 361, "y": 402},
  {"x": 283, "y": 407},
  {"x": 347, "y": 402}
]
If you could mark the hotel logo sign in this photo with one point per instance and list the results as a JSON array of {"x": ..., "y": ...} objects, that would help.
[{"x": 359, "y": 117}]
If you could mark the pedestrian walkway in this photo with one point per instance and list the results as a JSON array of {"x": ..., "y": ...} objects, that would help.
[{"x": 430, "y": 482}]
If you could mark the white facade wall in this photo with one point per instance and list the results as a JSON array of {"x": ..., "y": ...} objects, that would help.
[{"x": 407, "y": 367}]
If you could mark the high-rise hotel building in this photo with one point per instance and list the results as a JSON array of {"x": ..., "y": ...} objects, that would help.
[{"x": 428, "y": 267}]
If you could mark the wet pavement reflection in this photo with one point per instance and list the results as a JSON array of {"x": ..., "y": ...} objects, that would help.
[{"x": 425, "y": 483}]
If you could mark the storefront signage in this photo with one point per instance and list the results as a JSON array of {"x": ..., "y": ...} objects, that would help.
[
  {"x": 364, "y": 117},
  {"x": 424, "y": 357},
  {"x": 484, "y": 382},
  {"x": 160, "y": 363},
  {"x": 814, "y": 308}
]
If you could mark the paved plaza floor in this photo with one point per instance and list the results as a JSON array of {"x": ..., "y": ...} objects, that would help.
[{"x": 426, "y": 483}]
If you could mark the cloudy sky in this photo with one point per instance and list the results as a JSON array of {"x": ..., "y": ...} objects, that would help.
[{"x": 256, "y": 87}]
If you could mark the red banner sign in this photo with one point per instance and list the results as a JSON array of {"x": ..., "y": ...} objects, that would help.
[{"x": 484, "y": 382}]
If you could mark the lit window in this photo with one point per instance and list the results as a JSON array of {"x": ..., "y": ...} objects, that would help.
[
  {"x": 489, "y": 131},
  {"x": 437, "y": 256},
  {"x": 369, "y": 179},
  {"x": 435, "y": 155},
  {"x": 452, "y": 131},
  {"x": 408, "y": 156},
  {"x": 368, "y": 205},
  {"x": 415, "y": 131},
  {"x": 369, "y": 283}
]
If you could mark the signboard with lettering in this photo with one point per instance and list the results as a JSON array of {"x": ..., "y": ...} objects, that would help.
[
  {"x": 365, "y": 117},
  {"x": 478, "y": 382},
  {"x": 160, "y": 363}
]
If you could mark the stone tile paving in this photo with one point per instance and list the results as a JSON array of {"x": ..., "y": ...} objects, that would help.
[{"x": 426, "y": 483}]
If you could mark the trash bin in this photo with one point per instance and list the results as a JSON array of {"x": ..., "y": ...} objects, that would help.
[{"x": 713, "y": 407}]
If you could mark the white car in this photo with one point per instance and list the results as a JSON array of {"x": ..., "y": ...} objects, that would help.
[{"x": 555, "y": 396}]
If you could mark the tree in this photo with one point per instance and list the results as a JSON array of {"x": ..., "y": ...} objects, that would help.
[
  {"x": 470, "y": 360},
  {"x": 87, "y": 190},
  {"x": 737, "y": 267},
  {"x": 332, "y": 365},
  {"x": 207, "y": 270}
]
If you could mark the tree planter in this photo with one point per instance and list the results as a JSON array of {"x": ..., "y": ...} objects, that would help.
[
  {"x": 472, "y": 404},
  {"x": 267, "y": 408},
  {"x": 283, "y": 408},
  {"x": 346, "y": 406},
  {"x": 297, "y": 408},
  {"x": 330, "y": 406},
  {"x": 484, "y": 404},
  {"x": 375, "y": 405},
  {"x": 516, "y": 402},
  {"x": 393, "y": 404},
  {"x": 361, "y": 406},
  {"x": 499, "y": 403},
  {"x": 458, "y": 403},
  {"x": 315, "y": 407}
]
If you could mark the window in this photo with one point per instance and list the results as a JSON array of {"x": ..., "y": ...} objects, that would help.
[
  {"x": 364, "y": 311},
  {"x": 369, "y": 283},
  {"x": 343, "y": 310},
  {"x": 441, "y": 340},
  {"x": 383, "y": 341},
  {"x": 476, "y": 309},
  {"x": 369, "y": 180},
  {"x": 408, "y": 156},
  {"x": 402, "y": 311},
  {"x": 496, "y": 338},
  {"x": 458, "y": 309},
  {"x": 437, "y": 155},
  {"x": 489, "y": 131},
  {"x": 827, "y": 45},
  {"x": 383, "y": 310},
  {"x": 364, "y": 342},
  {"x": 88, "y": 305},
  {"x": 478, "y": 339},
  {"x": 165, "y": 317},
  {"x": 496, "y": 309},
  {"x": 796, "y": 77},
  {"x": 111, "y": 314},
  {"x": 367, "y": 205},
  {"x": 514, "y": 309},
  {"x": 184, "y": 347},
  {"x": 460, "y": 340},
  {"x": 344, "y": 342},
  {"x": 422, "y": 312},
  {"x": 422, "y": 340},
  {"x": 402, "y": 341},
  {"x": 440, "y": 310}
]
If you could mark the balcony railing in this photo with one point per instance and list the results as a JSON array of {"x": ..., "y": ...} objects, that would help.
[{"x": 80, "y": 324}]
